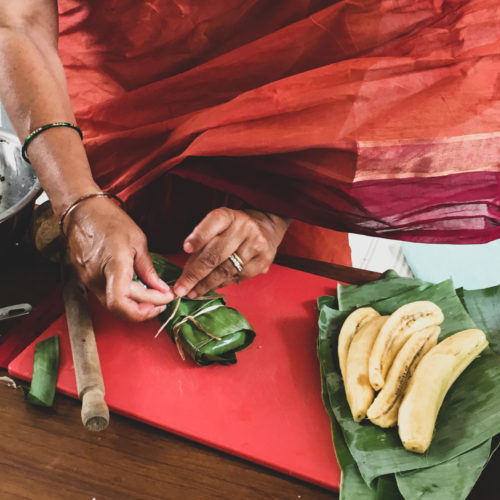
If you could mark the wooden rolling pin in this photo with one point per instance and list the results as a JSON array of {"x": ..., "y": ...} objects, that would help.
[
  {"x": 89, "y": 381},
  {"x": 46, "y": 238}
]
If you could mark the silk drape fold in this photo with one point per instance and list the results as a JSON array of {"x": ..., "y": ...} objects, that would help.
[{"x": 376, "y": 117}]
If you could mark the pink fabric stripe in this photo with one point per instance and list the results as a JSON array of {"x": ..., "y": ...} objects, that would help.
[
  {"x": 408, "y": 209},
  {"x": 428, "y": 158}
]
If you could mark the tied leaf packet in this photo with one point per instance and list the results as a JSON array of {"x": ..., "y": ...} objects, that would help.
[
  {"x": 374, "y": 463},
  {"x": 205, "y": 329}
]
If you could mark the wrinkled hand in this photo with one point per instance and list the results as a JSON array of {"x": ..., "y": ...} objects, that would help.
[
  {"x": 106, "y": 247},
  {"x": 252, "y": 234}
]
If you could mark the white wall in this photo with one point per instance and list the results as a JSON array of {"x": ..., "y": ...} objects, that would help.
[{"x": 378, "y": 254}]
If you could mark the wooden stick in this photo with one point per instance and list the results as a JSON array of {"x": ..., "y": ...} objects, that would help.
[
  {"x": 89, "y": 382},
  {"x": 337, "y": 272}
]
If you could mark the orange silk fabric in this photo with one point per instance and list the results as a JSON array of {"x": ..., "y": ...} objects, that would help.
[{"x": 379, "y": 117}]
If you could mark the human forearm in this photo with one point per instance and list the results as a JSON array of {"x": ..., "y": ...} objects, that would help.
[
  {"x": 105, "y": 245},
  {"x": 33, "y": 90}
]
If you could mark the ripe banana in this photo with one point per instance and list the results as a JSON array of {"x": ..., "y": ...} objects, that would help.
[
  {"x": 405, "y": 321},
  {"x": 384, "y": 410},
  {"x": 358, "y": 390},
  {"x": 350, "y": 328},
  {"x": 428, "y": 386}
]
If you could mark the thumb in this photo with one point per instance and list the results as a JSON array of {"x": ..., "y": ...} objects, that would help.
[{"x": 146, "y": 272}]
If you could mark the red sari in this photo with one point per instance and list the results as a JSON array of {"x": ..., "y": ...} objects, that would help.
[{"x": 379, "y": 117}]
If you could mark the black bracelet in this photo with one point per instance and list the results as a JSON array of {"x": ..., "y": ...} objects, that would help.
[{"x": 39, "y": 130}]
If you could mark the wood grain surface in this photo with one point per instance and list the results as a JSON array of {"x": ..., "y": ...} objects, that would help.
[{"x": 47, "y": 453}]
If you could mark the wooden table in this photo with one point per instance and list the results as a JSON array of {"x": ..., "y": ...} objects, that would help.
[{"x": 47, "y": 454}]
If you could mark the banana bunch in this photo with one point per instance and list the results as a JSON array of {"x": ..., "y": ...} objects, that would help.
[{"x": 398, "y": 355}]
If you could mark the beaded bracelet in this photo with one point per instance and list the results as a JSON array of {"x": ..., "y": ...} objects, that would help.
[
  {"x": 83, "y": 198},
  {"x": 39, "y": 130}
]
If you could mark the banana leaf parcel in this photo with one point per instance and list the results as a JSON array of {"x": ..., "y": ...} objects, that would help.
[
  {"x": 373, "y": 461},
  {"x": 205, "y": 328}
]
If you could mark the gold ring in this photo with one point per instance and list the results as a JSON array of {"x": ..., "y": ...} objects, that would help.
[{"x": 236, "y": 261}]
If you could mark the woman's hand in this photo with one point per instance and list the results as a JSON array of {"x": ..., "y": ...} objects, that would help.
[
  {"x": 107, "y": 247},
  {"x": 252, "y": 234}
]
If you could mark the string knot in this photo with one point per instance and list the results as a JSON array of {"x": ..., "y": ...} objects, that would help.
[{"x": 176, "y": 326}]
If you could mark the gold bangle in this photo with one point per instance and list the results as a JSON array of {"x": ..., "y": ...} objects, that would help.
[{"x": 84, "y": 198}]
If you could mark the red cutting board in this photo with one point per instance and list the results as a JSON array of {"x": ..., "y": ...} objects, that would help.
[{"x": 267, "y": 408}]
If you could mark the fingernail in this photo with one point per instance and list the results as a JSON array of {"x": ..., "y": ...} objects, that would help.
[
  {"x": 188, "y": 246},
  {"x": 180, "y": 291},
  {"x": 164, "y": 287},
  {"x": 192, "y": 294},
  {"x": 160, "y": 309}
]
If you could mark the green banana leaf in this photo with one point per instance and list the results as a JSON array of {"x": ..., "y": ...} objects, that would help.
[
  {"x": 387, "y": 488},
  {"x": 354, "y": 296},
  {"x": 200, "y": 320},
  {"x": 469, "y": 417},
  {"x": 352, "y": 484},
  {"x": 456, "y": 476},
  {"x": 45, "y": 371},
  {"x": 484, "y": 307}
]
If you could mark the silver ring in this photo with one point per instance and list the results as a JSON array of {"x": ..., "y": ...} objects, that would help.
[{"x": 236, "y": 261}]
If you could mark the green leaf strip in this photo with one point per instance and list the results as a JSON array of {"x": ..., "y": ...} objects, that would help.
[{"x": 45, "y": 371}]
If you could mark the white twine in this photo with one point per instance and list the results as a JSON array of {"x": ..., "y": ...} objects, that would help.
[{"x": 192, "y": 318}]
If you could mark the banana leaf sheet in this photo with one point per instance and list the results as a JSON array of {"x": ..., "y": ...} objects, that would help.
[
  {"x": 205, "y": 329},
  {"x": 45, "y": 371},
  {"x": 374, "y": 458}
]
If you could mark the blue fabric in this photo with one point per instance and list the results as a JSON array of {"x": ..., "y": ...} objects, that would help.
[{"x": 470, "y": 266}]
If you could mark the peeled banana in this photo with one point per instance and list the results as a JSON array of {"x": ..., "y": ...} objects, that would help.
[
  {"x": 350, "y": 328},
  {"x": 428, "y": 386},
  {"x": 384, "y": 409},
  {"x": 359, "y": 392},
  {"x": 405, "y": 321}
]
